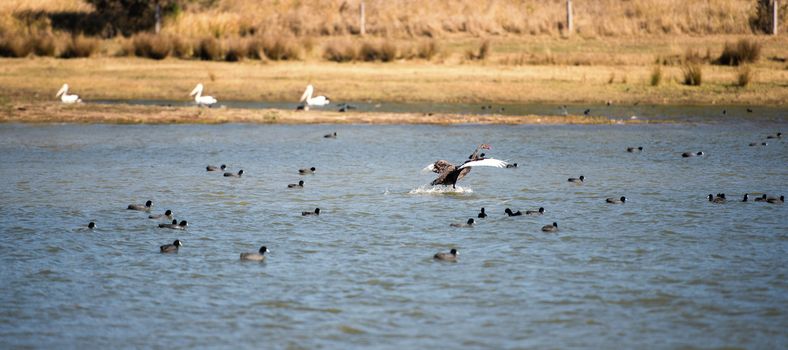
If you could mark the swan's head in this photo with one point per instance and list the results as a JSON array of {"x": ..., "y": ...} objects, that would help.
[
  {"x": 430, "y": 167},
  {"x": 197, "y": 89},
  {"x": 62, "y": 90}
]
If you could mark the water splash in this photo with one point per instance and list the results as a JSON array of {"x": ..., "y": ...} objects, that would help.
[{"x": 427, "y": 189}]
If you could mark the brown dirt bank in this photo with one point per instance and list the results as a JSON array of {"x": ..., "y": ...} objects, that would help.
[{"x": 54, "y": 112}]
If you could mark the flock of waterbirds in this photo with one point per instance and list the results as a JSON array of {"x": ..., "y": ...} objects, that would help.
[
  {"x": 306, "y": 101},
  {"x": 448, "y": 175},
  {"x": 553, "y": 228},
  {"x": 183, "y": 224}
]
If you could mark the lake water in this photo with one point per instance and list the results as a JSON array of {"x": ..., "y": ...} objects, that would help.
[{"x": 667, "y": 269}]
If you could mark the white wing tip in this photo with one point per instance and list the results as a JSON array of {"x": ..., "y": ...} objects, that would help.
[{"x": 486, "y": 162}]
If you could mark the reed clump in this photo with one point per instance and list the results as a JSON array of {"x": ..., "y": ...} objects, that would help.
[
  {"x": 236, "y": 50},
  {"x": 208, "y": 49},
  {"x": 152, "y": 46},
  {"x": 13, "y": 46},
  {"x": 696, "y": 56},
  {"x": 43, "y": 44},
  {"x": 480, "y": 54},
  {"x": 182, "y": 48},
  {"x": 428, "y": 49},
  {"x": 744, "y": 75},
  {"x": 281, "y": 48},
  {"x": 383, "y": 51},
  {"x": 79, "y": 46},
  {"x": 340, "y": 50},
  {"x": 693, "y": 74},
  {"x": 744, "y": 51},
  {"x": 656, "y": 76}
]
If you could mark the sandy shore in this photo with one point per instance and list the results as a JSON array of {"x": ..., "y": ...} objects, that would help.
[{"x": 55, "y": 112}]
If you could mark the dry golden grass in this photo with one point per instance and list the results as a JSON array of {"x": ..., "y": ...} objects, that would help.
[
  {"x": 11, "y": 6},
  {"x": 440, "y": 18},
  {"x": 406, "y": 18},
  {"x": 287, "y": 29}
]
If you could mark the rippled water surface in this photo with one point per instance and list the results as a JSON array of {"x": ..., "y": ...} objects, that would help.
[{"x": 667, "y": 269}]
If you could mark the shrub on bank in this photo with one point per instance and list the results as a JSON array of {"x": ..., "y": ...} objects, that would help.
[
  {"x": 744, "y": 51},
  {"x": 656, "y": 76},
  {"x": 428, "y": 49},
  {"x": 42, "y": 44},
  {"x": 383, "y": 51},
  {"x": 281, "y": 48},
  {"x": 13, "y": 46},
  {"x": 237, "y": 49},
  {"x": 340, "y": 51},
  {"x": 79, "y": 46},
  {"x": 481, "y": 54},
  {"x": 743, "y": 76},
  {"x": 693, "y": 75},
  {"x": 182, "y": 48},
  {"x": 208, "y": 49},
  {"x": 153, "y": 46}
]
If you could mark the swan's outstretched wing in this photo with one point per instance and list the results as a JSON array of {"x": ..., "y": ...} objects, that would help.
[{"x": 485, "y": 162}]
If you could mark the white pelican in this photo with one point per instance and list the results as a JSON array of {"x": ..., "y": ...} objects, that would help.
[
  {"x": 312, "y": 101},
  {"x": 201, "y": 100},
  {"x": 65, "y": 97},
  {"x": 449, "y": 173}
]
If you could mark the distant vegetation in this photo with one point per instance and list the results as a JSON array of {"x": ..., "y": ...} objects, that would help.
[
  {"x": 656, "y": 76},
  {"x": 693, "y": 74},
  {"x": 743, "y": 76},
  {"x": 744, "y": 51},
  {"x": 234, "y": 30}
]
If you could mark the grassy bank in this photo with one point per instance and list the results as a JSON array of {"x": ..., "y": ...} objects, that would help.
[
  {"x": 622, "y": 72},
  {"x": 53, "y": 112}
]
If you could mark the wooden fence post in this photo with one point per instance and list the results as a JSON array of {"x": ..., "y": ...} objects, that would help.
[
  {"x": 362, "y": 19},
  {"x": 569, "y": 26},
  {"x": 158, "y": 17},
  {"x": 775, "y": 8}
]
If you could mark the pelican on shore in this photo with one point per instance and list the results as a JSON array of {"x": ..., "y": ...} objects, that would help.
[
  {"x": 310, "y": 101},
  {"x": 449, "y": 173},
  {"x": 65, "y": 97},
  {"x": 201, "y": 100}
]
